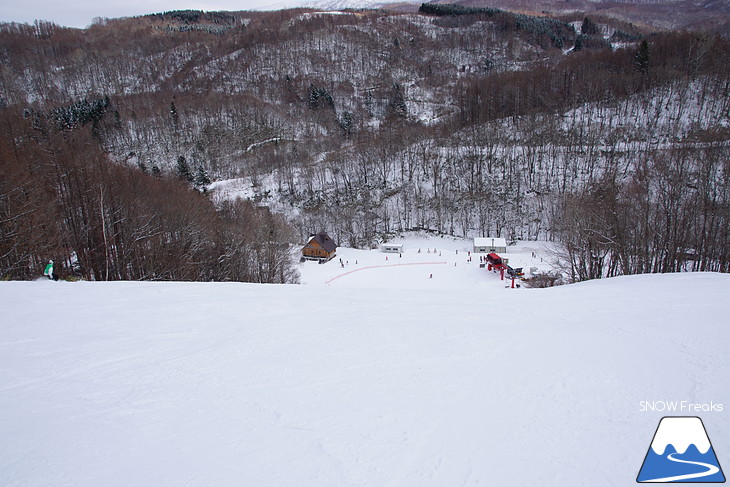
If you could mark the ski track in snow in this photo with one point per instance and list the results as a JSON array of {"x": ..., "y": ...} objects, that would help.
[{"x": 379, "y": 267}]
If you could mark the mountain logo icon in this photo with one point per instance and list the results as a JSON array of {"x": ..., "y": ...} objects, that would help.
[{"x": 681, "y": 452}]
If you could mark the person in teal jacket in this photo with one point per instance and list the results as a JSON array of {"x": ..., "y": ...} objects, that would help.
[{"x": 49, "y": 271}]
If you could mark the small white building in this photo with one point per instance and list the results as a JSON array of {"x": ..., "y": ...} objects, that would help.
[
  {"x": 485, "y": 245},
  {"x": 392, "y": 248}
]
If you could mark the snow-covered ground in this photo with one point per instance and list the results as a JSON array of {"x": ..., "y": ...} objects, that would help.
[
  {"x": 425, "y": 263},
  {"x": 370, "y": 380}
]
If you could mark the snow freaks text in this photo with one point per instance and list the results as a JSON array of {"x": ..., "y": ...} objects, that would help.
[{"x": 680, "y": 407}]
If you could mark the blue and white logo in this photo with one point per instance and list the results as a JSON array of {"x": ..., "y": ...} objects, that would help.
[{"x": 681, "y": 452}]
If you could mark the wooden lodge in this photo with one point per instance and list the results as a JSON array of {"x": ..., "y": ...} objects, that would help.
[{"x": 320, "y": 247}]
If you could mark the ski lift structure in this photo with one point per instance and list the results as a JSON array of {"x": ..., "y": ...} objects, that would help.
[{"x": 498, "y": 264}]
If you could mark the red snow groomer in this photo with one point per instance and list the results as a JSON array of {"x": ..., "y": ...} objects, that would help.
[{"x": 495, "y": 263}]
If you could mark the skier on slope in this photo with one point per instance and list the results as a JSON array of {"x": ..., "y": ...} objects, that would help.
[{"x": 49, "y": 271}]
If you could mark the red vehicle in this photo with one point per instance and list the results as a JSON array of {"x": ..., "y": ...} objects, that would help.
[{"x": 494, "y": 261}]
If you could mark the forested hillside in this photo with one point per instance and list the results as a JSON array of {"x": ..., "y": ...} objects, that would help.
[
  {"x": 696, "y": 15},
  {"x": 124, "y": 145}
]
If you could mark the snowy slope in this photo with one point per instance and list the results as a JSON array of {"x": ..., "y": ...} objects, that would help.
[
  {"x": 227, "y": 384},
  {"x": 426, "y": 263}
]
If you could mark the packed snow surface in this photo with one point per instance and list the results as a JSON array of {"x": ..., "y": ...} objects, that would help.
[{"x": 386, "y": 376}]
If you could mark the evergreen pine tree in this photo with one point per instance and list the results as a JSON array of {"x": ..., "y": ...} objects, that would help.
[
  {"x": 346, "y": 122},
  {"x": 201, "y": 178},
  {"x": 588, "y": 27},
  {"x": 398, "y": 101},
  {"x": 183, "y": 170},
  {"x": 319, "y": 98}
]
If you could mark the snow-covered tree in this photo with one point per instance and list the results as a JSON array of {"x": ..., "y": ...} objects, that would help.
[
  {"x": 183, "y": 170},
  {"x": 201, "y": 178}
]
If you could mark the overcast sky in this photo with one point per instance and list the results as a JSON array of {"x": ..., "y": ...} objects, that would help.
[{"x": 80, "y": 13}]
